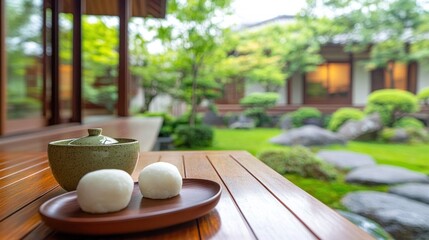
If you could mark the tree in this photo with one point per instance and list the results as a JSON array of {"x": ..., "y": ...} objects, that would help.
[
  {"x": 392, "y": 30},
  {"x": 275, "y": 53},
  {"x": 156, "y": 71},
  {"x": 194, "y": 31}
]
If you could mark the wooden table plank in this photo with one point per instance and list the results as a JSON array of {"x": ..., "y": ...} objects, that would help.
[
  {"x": 12, "y": 177},
  {"x": 256, "y": 203},
  {"x": 267, "y": 216},
  {"x": 225, "y": 221},
  {"x": 27, "y": 218},
  {"x": 25, "y": 191},
  {"x": 323, "y": 221}
]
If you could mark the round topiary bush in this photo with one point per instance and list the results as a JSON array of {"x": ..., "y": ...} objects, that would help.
[
  {"x": 423, "y": 95},
  {"x": 342, "y": 115},
  {"x": 259, "y": 99},
  {"x": 298, "y": 160},
  {"x": 193, "y": 136},
  {"x": 305, "y": 113},
  {"x": 408, "y": 122},
  {"x": 391, "y": 102},
  {"x": 256, "y": 105}
]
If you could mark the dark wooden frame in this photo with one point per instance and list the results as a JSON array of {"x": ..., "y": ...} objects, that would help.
[
  {"x": 123, "y": 72},
  {"x": 55, "y": 59},
  {"x": 77, "y": 62},
  {"x": 378, "y": 78}
]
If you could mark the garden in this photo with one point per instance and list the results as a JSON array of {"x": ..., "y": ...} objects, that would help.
[{"x": 385, "y": 131}]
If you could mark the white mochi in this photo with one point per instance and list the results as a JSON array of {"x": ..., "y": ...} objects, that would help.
[
  {"x": 103, "y": 191},
  {"x": 160, "y": 180}
]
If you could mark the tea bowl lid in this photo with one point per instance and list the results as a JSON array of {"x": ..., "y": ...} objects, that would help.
[{"x": 94, "y": 138}]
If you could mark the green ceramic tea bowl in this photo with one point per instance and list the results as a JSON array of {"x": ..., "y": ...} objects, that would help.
[{"x": 71, "y": 159}]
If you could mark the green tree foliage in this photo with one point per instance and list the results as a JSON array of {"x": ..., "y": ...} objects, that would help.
[
  {"x": 256, "y": 105},
  {"x": 194, "y": 31},
  {"x": 391, "y": 104},
  {"x": 156, "y": 71},
  {"x": 391, "y": 30},
  {"x": 273, "y": 54}
]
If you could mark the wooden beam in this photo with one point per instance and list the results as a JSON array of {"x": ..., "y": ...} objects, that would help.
[
  {"x": 3, "y": 74},
  {"x": 55, "y": 59},
  {"x": 77, "y": 62},
  {"x": 123, "y": 71}
]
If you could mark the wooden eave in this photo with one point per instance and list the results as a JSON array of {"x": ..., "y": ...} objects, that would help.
[{"x": 139, "y": 8}]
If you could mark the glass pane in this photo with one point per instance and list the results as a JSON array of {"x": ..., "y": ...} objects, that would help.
[
  {"x": 339, "y": 83},
  {"x": 65, "y": 65},
  {"x": 317, "y": 82},
  {"x": 24, "y": 51},
  {"x": 100, "y": 63},
  {"x": 399, "y": 76},
  {"x": 328, "y": 84}
]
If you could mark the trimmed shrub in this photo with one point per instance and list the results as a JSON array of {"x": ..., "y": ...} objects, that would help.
[
  {"x": 417, "y": 135},
  {"x": 423, "y": 95},
  {"x": 167, "y": 127},
  {"x": 193, "y": 136},
  {"x": 408, "y": 122},
  {"x": 304, "y": 113},
  {"x": 256, "y": 105},
  {"x": 258, "y": 99},
  {"x": 387, "y": 134},
  {"x": 298, "y": 160},
  {"x": 184, "y": 119},
  {"x": 342, "y": 115},
  {"x": 390, "y": 102}
]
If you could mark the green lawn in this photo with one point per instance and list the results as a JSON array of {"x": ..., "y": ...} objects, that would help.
[{"x": 414, "y": 157}]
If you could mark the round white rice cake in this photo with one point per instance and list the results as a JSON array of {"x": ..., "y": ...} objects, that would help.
[
  {"x": 160, "y": 180},
  {"x": 103, "y": 191}
]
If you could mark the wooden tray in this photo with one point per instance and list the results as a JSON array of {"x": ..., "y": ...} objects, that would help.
[{"x": 197, "y": 198}]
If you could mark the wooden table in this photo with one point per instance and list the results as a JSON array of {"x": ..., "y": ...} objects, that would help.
[{"x": 256, "y": 202}]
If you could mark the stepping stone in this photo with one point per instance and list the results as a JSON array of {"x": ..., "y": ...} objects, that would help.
[
  {"x": 309, "y": 135},
  {"x": 415, "y": 191},
  {"x": 366, "y": 224},
  {"x": 384, "y": 174},
  {"x": 403, "y": 218},
  {"x": 346, "y": 159}
]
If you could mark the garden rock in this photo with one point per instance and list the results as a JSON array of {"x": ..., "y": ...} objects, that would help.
[
  {"x": 400, "y": 136},
  {"x": 345, "y": 159},
  {"x": 369, "y": 226},
  {"x": 401, "y": 217},
  {"x": 286, "y": 123},
  {"x": 416, "y": 191},
  {"x": 212, "y": 118},
  {"x": 243, "y": 122},
  {"x": 384, "y": 174},
  {"x": 353, "y": 129},
  {"x": 307, "y": 136},
  {"x": 313, "y": 121}
]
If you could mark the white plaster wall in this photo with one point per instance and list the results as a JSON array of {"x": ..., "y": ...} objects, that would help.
[
  {"x": 422, "y": 75},
  {"x": 297, "y": 89},
  {"x": 361, "y": 84},
  {"x": 252, "y": 88},
  {"x": 161, "y": 103}
]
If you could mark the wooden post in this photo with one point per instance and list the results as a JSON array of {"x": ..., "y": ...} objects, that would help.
[
  {"x": 55, "y": 59},
  {"x": 3, "y": 74},
  {"x": 123, "y": 72},
  {"x": 77, "y": 62}
]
